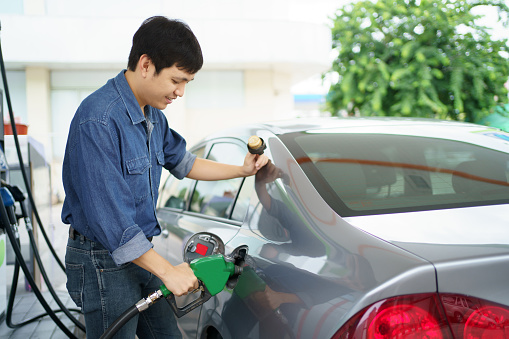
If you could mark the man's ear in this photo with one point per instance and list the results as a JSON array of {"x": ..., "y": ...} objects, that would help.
[{"x": 144, "y": 65}]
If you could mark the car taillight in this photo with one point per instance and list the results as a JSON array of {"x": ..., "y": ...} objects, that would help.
[
  {"x": 474, "y": 318},
  {"x": 413, "y": 316},
  {"x": 423, "y": 316},
  {"x": 404, "y": 320}
]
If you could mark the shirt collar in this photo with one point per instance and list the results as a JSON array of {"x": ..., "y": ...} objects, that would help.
[{"x": 130, "y": 102}]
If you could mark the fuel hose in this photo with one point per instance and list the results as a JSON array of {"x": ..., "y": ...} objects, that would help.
[
  {"x": 15, "y": 242},
  {"x": 45, "y": 277},
  {"x": 132, "y": 311},
  {"x": 21, "y": 164},
  {"x": 120, "y": 322},
  {"x": 19, "y": 257}
]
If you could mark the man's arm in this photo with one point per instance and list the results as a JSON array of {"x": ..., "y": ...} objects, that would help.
[
  {"x": 178, "y": 279},
  {"x": 204, "y": 169}
]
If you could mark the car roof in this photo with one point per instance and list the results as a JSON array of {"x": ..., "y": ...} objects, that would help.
[{"x": 422, "y": 127}]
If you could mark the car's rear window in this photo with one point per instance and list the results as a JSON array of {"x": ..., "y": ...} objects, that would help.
[{"x": 364, "y": 174}]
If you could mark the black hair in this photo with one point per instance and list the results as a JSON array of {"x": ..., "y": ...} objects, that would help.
[{"x": 167, "y": 42}]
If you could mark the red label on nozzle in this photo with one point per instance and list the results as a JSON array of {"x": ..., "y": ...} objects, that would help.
[{"x": 201, "y": 249}]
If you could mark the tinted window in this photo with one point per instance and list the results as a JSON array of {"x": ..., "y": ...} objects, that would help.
[
  {"x": 361, "y": 174},
  {"x": 243, "y": 198},
  {"x": 217, "y": 198},
  {"x": 175, "y": 192}
]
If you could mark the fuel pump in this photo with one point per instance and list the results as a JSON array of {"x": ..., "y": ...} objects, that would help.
[
  {"x": 9, "y": 221},
  {"x": 213, "y": 269},
  {"x": 14, "y": 193}
]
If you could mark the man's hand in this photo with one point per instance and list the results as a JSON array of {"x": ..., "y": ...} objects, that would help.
[
  {"x": 180, "y": 280},
  {"x": 253, "y": 162}
]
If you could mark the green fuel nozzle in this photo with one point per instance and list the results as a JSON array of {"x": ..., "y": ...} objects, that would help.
[{"x": 213, "y": 273}]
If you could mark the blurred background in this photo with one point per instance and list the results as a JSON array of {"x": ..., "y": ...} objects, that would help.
[
  {"x": 264, "y": 60},
  {"x": 255, "y": 52}
]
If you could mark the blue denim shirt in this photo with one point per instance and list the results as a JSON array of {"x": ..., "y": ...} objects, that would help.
[{"x": 112, "y": 169}]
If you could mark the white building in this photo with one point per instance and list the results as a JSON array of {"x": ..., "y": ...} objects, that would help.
[{"x": 58, "y": 51}]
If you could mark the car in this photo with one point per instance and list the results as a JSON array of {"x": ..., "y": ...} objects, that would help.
[{"x": 357, "y": 228}]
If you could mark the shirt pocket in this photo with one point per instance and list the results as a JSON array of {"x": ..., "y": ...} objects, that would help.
[{"x": 138, "y": 177}]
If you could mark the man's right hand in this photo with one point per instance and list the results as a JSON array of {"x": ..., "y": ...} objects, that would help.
[{"x": 180, "y": 280}]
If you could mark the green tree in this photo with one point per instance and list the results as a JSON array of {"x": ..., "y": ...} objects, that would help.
[{"x": 417, "y": 58}]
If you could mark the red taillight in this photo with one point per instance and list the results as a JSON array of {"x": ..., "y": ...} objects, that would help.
[
  {"x": 422, "y": 316},
  {"x": 474, "y": 318},
  {"x": 404, "y": 321},
  {"x": 415, "y": 316},
  {"x": 488, "y": 323}
]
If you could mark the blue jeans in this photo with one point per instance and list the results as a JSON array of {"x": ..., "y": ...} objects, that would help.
[{"x": 104, "y": 291}]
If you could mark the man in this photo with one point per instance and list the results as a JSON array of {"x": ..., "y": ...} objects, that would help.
[{"x": 118, "y": 142}]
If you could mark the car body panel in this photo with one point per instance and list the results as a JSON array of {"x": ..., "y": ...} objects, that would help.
[
  {"x": 463, "y": 226},
  {"x": 309, "y": 270},
  {"x": 478, "y": 271},
  {"x": 179, "y": 229},
  {"x": 457, "y": 241}
]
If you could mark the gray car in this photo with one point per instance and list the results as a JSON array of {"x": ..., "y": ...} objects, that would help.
[{"x": 357, "y": 228}]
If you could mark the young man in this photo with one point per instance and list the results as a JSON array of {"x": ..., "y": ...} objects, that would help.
[{"x": 118, "y": 142}]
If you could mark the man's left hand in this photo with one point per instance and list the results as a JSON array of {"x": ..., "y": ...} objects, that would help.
[{"x": 253, "y": 162}]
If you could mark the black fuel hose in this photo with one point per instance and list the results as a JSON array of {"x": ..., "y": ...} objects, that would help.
[
  {"x": 16, "y": 247},
  {"x": 120, "y": 322},
  {"x": 46, "y": 280},
  {"x": 12, "y": 296},
  {"x": 10, "y": 304},
  {"x": 20, "y": 198},
  {"x": 21, "y": 164},
  {"x": 19, "y": 257}
]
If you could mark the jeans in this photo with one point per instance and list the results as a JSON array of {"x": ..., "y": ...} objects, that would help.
[{"x": 104, "y": 291}]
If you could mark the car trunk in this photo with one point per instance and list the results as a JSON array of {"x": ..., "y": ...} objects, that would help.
[{"x": 469, "y": 247}]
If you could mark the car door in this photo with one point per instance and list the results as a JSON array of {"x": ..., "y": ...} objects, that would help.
[{"x": 187, "y": 207}]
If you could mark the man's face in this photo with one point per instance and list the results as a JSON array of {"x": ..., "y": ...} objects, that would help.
[{"x": 159, "y": 90}]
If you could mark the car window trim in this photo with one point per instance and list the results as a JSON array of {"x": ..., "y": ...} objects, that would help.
[{"x": 209, "y": 217}]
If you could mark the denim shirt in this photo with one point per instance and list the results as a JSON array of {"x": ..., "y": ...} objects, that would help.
[{"x": 112, "y": 169}]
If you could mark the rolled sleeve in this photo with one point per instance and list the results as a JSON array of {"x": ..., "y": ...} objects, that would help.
[
  {"x": 135, "y": 247},
  {"x": 185, "y": 165}
]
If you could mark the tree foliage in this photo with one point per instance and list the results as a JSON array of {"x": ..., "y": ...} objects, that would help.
[{"x": 417, "y": 58}]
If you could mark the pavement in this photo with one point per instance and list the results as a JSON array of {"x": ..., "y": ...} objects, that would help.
[{"x": 26, "y": 305}]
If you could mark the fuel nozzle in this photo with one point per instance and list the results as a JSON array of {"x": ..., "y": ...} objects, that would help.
[
  {"x": 256, "y": 145},
  {"x": 213, "y": 272}
]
